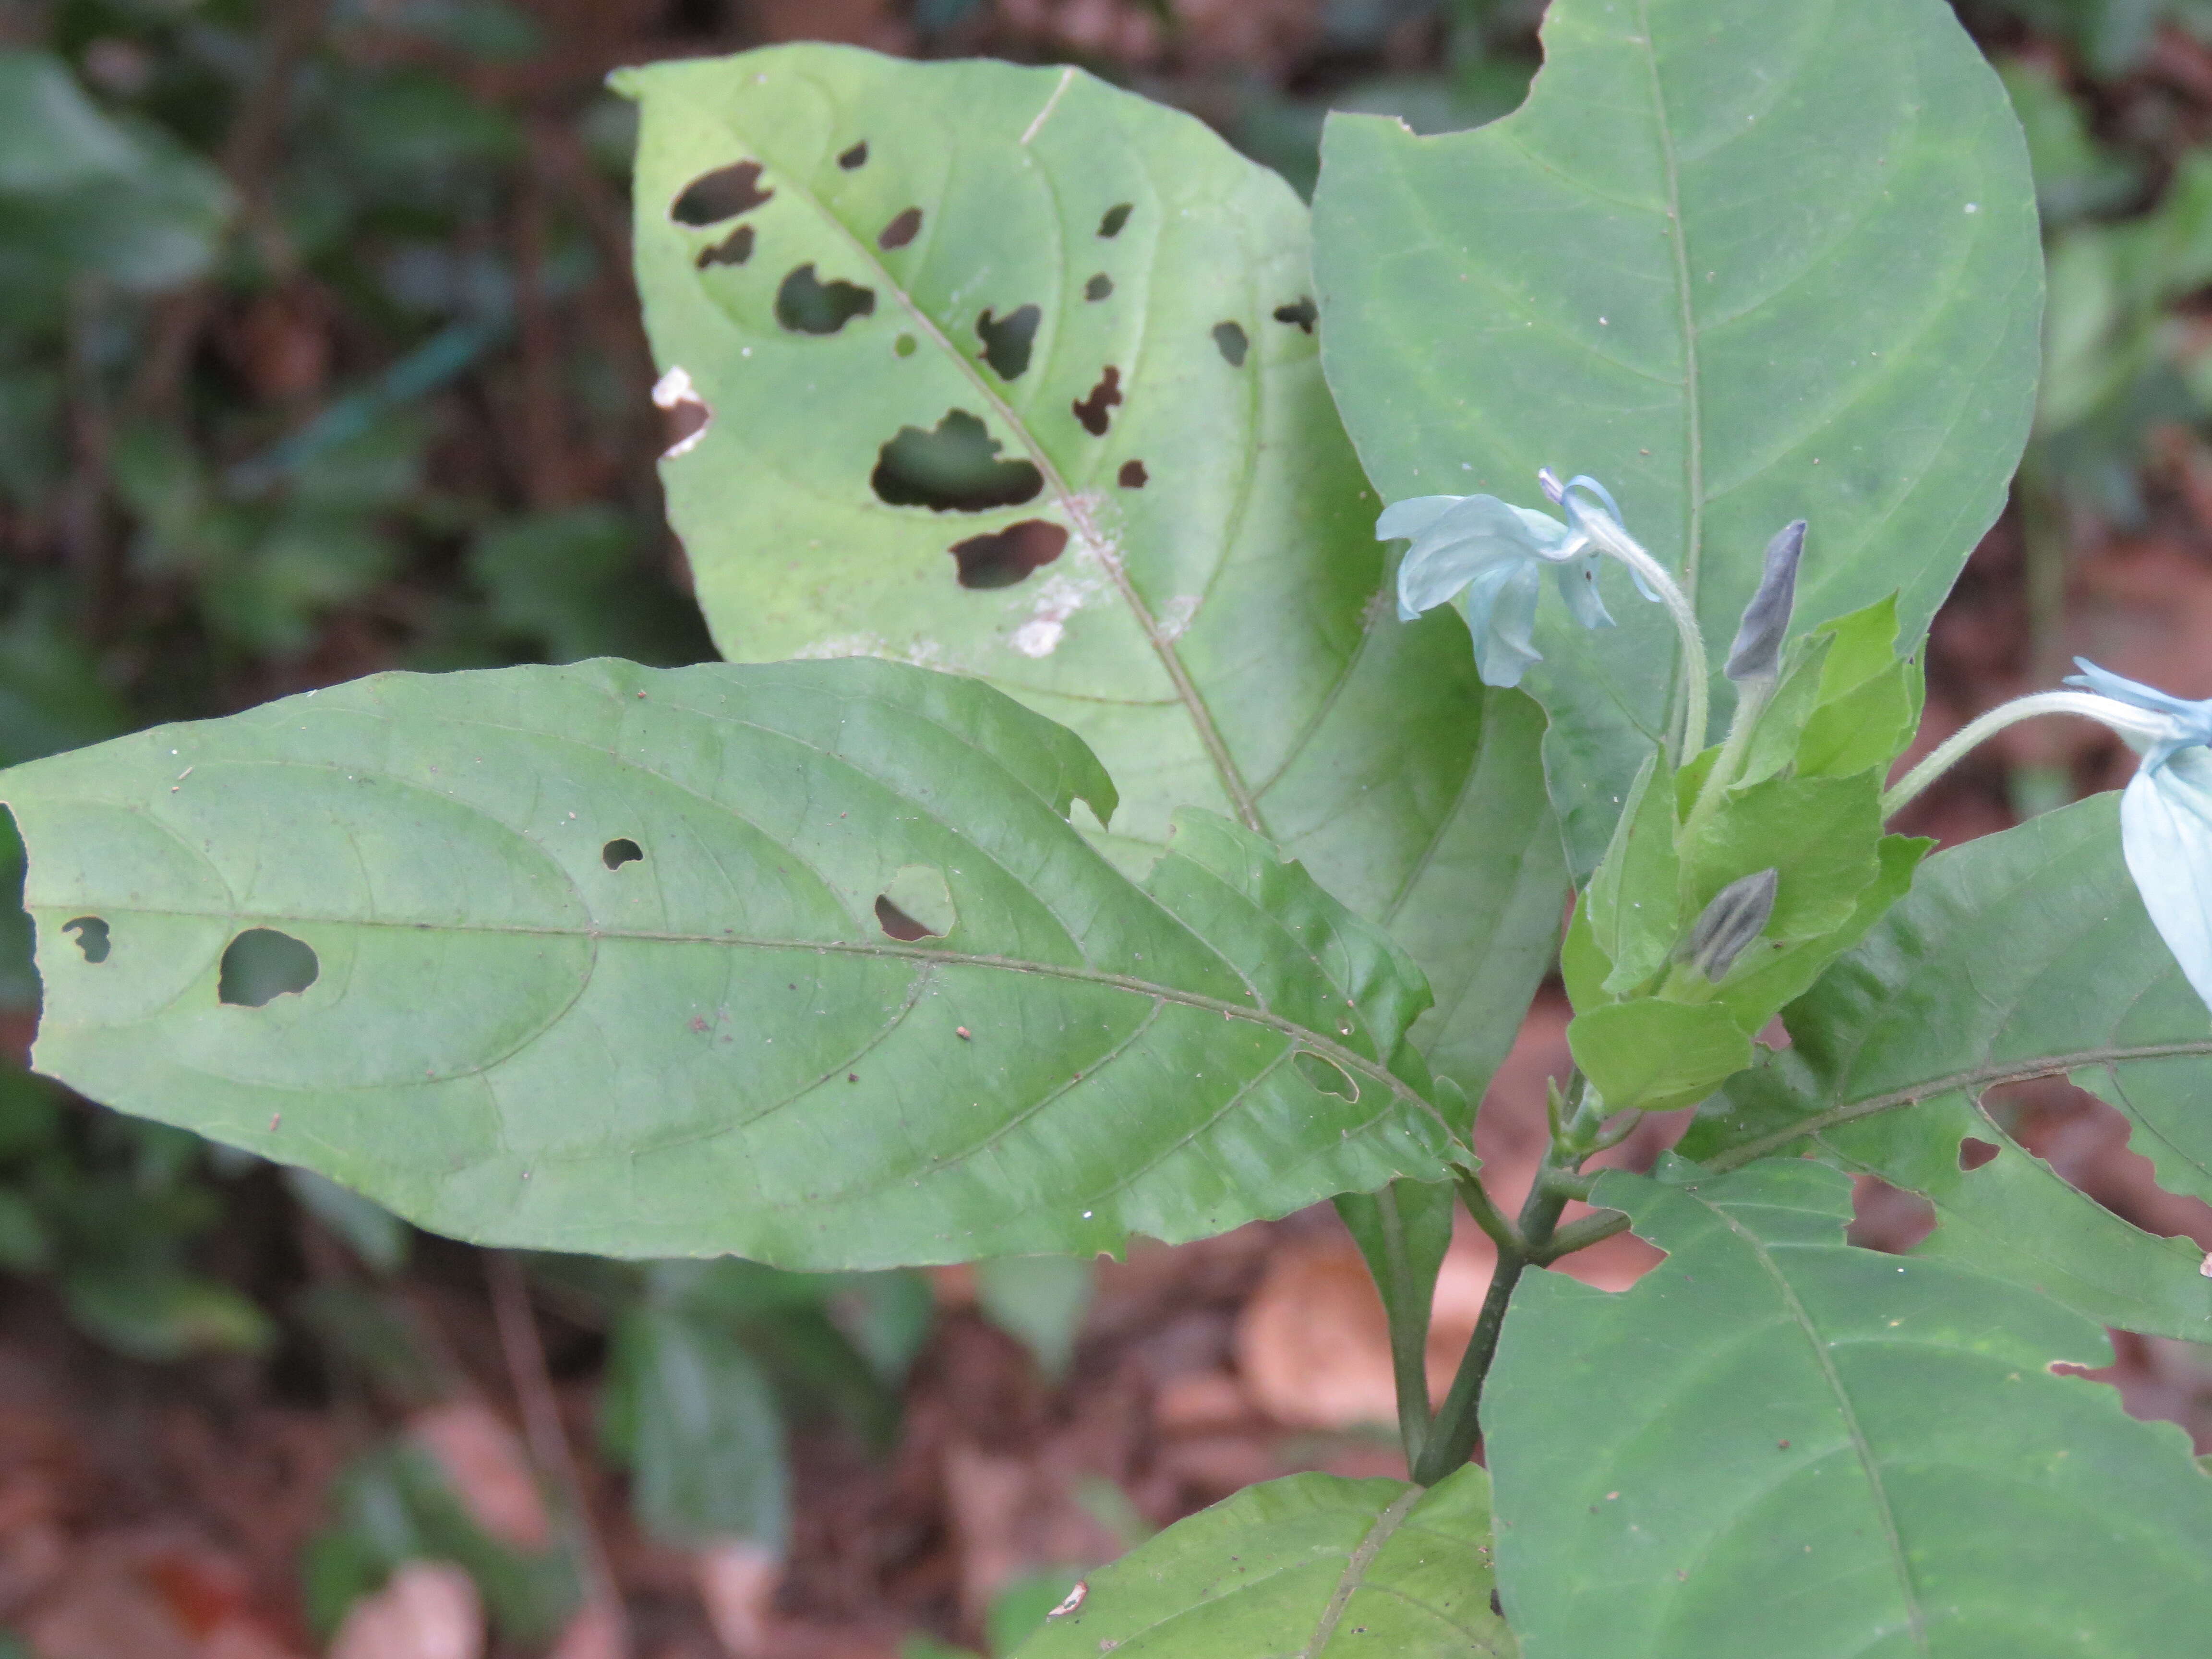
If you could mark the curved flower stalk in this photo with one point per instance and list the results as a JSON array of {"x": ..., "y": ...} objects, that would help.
[
  {"x": 1490, "y": 556},
  {"x": 2166, "y": 813}
]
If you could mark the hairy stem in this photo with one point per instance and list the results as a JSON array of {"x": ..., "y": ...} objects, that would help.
[{"x": 1953, "y": 748}]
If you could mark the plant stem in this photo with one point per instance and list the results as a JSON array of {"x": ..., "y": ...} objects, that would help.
[
  {"x": 1945, "y": 755},
  {"x": 549, "y": 1441},
  {"x": 1696, "y": 713},
  {"x": 1458, "y": 1424},
  {"x": 1751, "y": 699},
  {"x": 1581, "y": 1235}
]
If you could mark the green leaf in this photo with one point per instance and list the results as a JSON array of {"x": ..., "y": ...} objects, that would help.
[
  {"x": 1869, "y": 702},
  {"x": 1012, "y": 251},
  {"x": 1039, "y": 1300},
  {"x": 1745, "y": 262},
  {"x": 379, "y": 1238},
  {"x": 1634, "y": 903},
  {"x": 1657, "y": 1055},
  {"x": 2016, "y": 1217},
  {"x": 85, "y": 194},
  {"x": 605, "y": 940},
  {"x": 1310, "y": 1566},
  {"x": 693, "y": 1418},
  {"x": 155, "y": 1312},
  {"x": 2020, "y": 955},
  {"x": 1760, "y": 984},
  {"x": 1776, "y": 1443},
  {"x": 1820, "y": 833},
  {"x": 394, "y": 1504}
]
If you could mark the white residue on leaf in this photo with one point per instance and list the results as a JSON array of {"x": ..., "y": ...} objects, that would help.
[
  {"x": 922, "y": 653},
  {"x": 1060, "y": 597},
  {"x": 1177, "y": 615},
  {"x": 843, "y": 645}
]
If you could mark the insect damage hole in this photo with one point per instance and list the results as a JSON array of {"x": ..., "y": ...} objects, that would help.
[
  {"x": 733, "y": 249},
  {"x": 620, "y": 851},
  {"x": 915, "y": 904},
  {"x": 805, "y": 304},
  {"x": 1304, "y": 314},
  {"x": 1231, "y": 341},
  {"x": 1009, "y": 556},
  {"x": 1094, "y": 412},
  {"x": 1116, "y": 217},
  {"x": 722, "y": 194},
  {"x": 900, "y": 231},
  {"x": 1006, "y": 339},
  {"x": 1973, "y": 1153},
  {"x": 262, "y": 964},
  {"x": 1133, "y": 475},
  {"x": 954, "y": 468},
  {"x": 91, "y": 935},
  {"x": 1326, "y": 1075},
  {"x": 854, "y": 158},
  {"x": 1099, "y": 286},
  {"x": 687, "y": 414}
]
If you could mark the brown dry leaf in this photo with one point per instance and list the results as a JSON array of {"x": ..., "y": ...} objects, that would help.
[
  {"x": 1014, "y": 1514},
  {"x": 594, "y": 1633},
  {"x": 1313, "y": 1344},
  {"x": 1192, "y": 1402},
  {"x": 737, "y": 1580},
  {"x": 428, "y": 1610},
  {"x": 245, "y": 1638},
  {"x": 488, "y": 1469},
  {"x": 105, "y": 1611}
]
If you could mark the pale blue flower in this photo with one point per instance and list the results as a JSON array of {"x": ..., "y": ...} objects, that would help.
[
  {"x": 2165, "y": 814},
  {"x": 1490, "y": 554}
]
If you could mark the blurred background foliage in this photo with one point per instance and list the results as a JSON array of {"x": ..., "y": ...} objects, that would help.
[{"x": 320, "y": 356}]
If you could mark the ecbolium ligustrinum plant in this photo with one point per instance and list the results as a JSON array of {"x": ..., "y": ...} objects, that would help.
[{"x": 1208, "y": 889}]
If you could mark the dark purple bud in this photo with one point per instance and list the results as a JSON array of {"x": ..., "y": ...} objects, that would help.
[
  {"x": 1757, "y": 653},
  {"x": 1737, "y": 915}
]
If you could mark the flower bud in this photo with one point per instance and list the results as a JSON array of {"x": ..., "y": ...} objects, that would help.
[
  {"x": 1738, "y": 914},
  {"x": 1757, "y": 653}
]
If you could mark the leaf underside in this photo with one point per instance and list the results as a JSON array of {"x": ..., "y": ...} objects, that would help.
[
  {"x": 594, "y": 960},
  {"x": 1745, "y": 262},
  {"x": 1309, "y": 1567},
  {"x": 1874, "y": 1443},
  {"x": 1154, "y": 429}
]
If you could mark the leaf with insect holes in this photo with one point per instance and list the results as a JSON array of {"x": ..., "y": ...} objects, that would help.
[
  {"x": 1007, "y": 370},
  {"x": 1777, "y": 1444},
  {"x": 1315, "y": 1566},
  {"x": 590, "y": 959},
  {"x": 2021, "y": 955},
  {"x": 1744, "y": 262}
]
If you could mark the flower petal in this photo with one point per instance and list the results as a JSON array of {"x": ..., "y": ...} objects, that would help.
[
  {"x": 1578, "y": 580},
  {"x": 1474, "y": 532},
  {"x": 1413, "y": 515},
  {"x": 2105, "y": 683},
  {"x": 1501, "y": 614},
  {"x": 2166, "y": 834}
]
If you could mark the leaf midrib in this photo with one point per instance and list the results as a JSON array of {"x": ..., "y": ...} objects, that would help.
[
  {"x": 1916, "y": 1619},
  {"x": 1305, "y": 1036},
  {"x": 1233, "y": 784},
  {"x": 1973, "y": 1078},
  {"x": 1693, "y": 529},
  {"x": 1355, "y": 1569}
]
